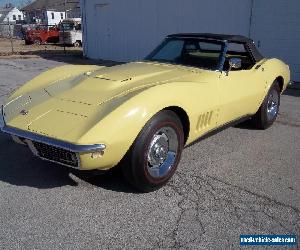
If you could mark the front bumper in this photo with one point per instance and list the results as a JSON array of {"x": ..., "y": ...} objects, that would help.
[
  {"x": 66, "y": 40},
  {"x": 54, "y": 150}
]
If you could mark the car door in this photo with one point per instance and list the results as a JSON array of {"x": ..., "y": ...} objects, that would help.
[
  {"x": 241, "y": 90},
  {"x": 202, "y": 88}
]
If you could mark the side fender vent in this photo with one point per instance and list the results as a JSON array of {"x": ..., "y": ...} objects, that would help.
[{"x": 204, "y": 120}]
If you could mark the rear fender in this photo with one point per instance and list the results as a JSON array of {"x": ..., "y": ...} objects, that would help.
[{"x": 275, "y": 68}]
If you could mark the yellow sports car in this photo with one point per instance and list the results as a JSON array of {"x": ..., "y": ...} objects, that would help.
[{"x": 141, "y": 115}]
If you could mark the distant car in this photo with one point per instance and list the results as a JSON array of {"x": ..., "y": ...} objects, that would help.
[
  {"x": 141, "y": 115},
  {"x": 41, "y": 35},
  {"x": 70, "y": 32}
]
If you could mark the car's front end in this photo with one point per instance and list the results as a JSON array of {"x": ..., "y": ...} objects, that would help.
[
  {"x": 67, "y": 37},
  {"x": 54, "y": 150},
  {"x": 87, "y": 120}
]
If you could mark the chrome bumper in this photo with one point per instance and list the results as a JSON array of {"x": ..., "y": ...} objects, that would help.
[
  {"x": 52, "y": 150},
  {"x": 53, "y": 142}
]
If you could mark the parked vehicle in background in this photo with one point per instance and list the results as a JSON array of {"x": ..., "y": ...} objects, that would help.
[
  {"x": 70, "y": 32},
  {"x": 42, "y": 34}
]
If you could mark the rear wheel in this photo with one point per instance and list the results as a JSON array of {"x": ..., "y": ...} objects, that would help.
[
  {"x": 155, "y": 154},
  {"x": 268, "y": 112}
]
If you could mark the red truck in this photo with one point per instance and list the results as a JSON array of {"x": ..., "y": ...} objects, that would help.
[{"x": 41, "y": 35}]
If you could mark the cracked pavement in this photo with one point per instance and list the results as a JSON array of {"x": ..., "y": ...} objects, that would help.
[{"x": 239, "y": 181}]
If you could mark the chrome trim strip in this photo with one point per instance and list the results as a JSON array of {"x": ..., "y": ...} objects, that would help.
[{"x": 52, "y": 142}]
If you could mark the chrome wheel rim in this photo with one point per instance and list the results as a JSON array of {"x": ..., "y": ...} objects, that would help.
[
  {"x": 162, "y": 152},
  {"x": 273, "y": 104}
]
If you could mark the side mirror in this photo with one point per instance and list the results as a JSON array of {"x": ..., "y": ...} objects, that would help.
[{"x": 235, "y": 63}]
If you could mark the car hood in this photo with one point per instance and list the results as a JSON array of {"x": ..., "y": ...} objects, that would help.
[
  {"x": 78, "y": 103},
  {"x": 95, "y": 88}
]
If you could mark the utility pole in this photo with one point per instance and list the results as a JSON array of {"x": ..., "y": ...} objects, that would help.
[
  {"x": 65, "y": 9},
  {"x": 10, "y": 37}
]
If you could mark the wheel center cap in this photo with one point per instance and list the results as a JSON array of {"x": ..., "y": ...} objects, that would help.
[
  {"x": 158, "y": 150},
  {"x": 161, "y": 153}
]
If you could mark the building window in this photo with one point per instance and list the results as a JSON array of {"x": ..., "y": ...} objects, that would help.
[
  {"x": 61, "y": 15},
  {"x": 52, "y": 15},
  {"x": 20, "y": 17},
  {"x": 14, "y": 17}
]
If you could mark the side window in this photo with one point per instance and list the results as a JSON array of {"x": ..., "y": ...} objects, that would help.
[
  {"x": 236, "y": 47},
  {"x": 202, "y": 54},
  {"x": 52, "y": 15},
  {"x": 238, "y": 50},
  {"x": 210, "y": 46}
]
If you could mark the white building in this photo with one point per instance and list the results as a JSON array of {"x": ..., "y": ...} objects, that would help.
[
  {"x": 54, "y": 17},
  {"x": 128, "y": 30},
  {"x": 51, "y": 12},
  {"x": 10, "y": 14}
]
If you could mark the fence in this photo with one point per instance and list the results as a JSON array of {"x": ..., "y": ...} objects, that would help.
[
  {"x": 11, "y": 30},
  {"x": 17, "y": 38}
]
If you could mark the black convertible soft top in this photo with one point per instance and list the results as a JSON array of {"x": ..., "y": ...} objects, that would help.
[
  {"x": 230, "y": 38},
  {"x": 222, "y": 37}
]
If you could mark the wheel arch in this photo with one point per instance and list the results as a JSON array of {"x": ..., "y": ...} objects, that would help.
[
  {"x": 277, "y": 70},
  {"x": 280, "y": 81},
  {"x": 184, "y": 118}
]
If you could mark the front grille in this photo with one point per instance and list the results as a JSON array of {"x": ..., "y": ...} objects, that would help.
[{"x": 56, "y": 154}]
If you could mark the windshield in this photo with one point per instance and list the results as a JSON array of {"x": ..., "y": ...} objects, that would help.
[
  {"x": 190, "y": 52},
  {"x": 67, "y": 26}
]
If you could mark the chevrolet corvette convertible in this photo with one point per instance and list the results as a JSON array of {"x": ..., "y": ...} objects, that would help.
[{"x": 141, "y": 115}]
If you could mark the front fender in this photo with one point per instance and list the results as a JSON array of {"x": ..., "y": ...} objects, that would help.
[{"x": 120, "y": 127}]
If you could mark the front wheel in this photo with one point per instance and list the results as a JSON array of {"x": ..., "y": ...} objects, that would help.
[
  {"x": 268, "y": 111},
  {"x": 37, "y": 41},
  {"x": 155, "y": 154}
]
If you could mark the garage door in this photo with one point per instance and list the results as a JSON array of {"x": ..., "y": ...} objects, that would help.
[
  {"x": 129, "y": 30},
  {"x": 276, "y": 31}
]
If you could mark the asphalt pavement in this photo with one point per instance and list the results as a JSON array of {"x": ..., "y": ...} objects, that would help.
[{"x": 239, "y": 181}]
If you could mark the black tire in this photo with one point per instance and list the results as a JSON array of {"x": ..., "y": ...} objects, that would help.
[
  {"x": 28, "y": 42},
  {"x": 264, "y": 119},
  {"x": 77, "y": 44},
  {"x": 136, "y": 167}
]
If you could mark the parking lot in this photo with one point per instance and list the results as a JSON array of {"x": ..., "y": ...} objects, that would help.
[
  {"x": 239, "y": 181},
  {"x": 19, "y": 47}
]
